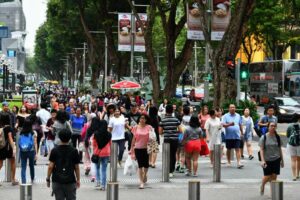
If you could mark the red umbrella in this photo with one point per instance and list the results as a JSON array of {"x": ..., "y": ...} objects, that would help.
[{"x": 125, "y": 85}]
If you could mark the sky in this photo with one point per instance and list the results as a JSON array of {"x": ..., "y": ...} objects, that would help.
[{"x": 35, "y": 14}]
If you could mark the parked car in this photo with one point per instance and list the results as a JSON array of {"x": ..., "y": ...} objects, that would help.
[{"x": 286, "y": 108}]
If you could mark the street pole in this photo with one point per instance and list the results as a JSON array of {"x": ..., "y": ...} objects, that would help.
[
  {"x": 196, "y": 68},
  {"x": 142, "y": 71},
  {"x": 132, "y": 40},
  {"x": 83, "y": 63},
  {"x": 75, "y": 80},
  {"x": 238, "y": 80},
  {"x": 206, "y": 83},
  {"x": 67, "y": 71},
  {"x": 105, "y": 67}
]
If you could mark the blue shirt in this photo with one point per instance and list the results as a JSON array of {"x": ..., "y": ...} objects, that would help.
[
  {"x": 77, "y": 124},
  {"x": 232, "y": 132}
]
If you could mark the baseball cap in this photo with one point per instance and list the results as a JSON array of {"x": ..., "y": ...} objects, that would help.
[{"x": 5, "y": 103}]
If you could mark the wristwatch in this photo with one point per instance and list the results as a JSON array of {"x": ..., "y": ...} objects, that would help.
[{"x": 48, "y": 180}]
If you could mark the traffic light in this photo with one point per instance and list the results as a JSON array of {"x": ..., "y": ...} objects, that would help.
[
  {"x": 230, "y": 64},
  {"x": 244, "y": 73}
]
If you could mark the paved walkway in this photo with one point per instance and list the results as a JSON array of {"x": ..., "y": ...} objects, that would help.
[{"x": 236, "y": 183}]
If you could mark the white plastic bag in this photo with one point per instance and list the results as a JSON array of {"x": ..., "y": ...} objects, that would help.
[
  {"x": 152, "y": 135},
  {"x": 130, "y": 166}
]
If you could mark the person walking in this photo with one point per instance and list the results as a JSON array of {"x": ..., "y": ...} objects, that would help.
[
  {"x": 153, "y": 146},
  {"x": 192, "y": 145},
  {"x": 7, "y": 147},
  {"x": 61, "y": 122},
  {"x": 117, "y": 127},
  {"x": 77, "y": 122},
  {"x": 264, "y": 121},
  {"x": 271, "y": 156},
  {"x": 233, "y": 129},
  {"x": 63, "y": 168},
  {"x": 28, "y": 149},
  {"x": 248, "y": 132},
  {"x": 213, "y": 129},
  {"x": 101, "y": 148},
  {"x": 170, "y": 127},
  {"x": 139, "y": 147},
  {"x": 293, "y": 147}
]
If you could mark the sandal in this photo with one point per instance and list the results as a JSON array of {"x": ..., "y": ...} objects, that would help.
[
  {"x": 14, "y": 183},
  {"x": 262, "y": 190},
  {"x": 141, "y": 186}
]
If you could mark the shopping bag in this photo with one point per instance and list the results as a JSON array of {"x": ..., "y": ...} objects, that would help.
[
  {"x": 43, "y": 148},
  {"x": 130, "y": 167},
  {"x": 204, "y": 148}
]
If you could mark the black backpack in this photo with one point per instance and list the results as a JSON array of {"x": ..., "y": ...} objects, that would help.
[
  {"x": 64, "y": 166},
  {"x": 296, "y": 135}
]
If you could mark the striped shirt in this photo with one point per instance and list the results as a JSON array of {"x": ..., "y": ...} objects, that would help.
[{"x": 170, "y": 125}]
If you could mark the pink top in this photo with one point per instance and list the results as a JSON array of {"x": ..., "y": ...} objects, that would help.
[
  {"x": 84, "y": 130},
  {"x": 104, "y": 152},
  {"x": 141, "y": 136},
  {"x": 203, "y": 119}
]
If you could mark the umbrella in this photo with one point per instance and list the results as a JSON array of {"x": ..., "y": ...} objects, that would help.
[{"x": 125, "y": 85}]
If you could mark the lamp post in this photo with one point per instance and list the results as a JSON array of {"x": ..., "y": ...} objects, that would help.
[{"x": 207, "y": 49}]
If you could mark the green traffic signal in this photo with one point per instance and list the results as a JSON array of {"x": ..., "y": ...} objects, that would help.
[{"x": 244, "y": 75}]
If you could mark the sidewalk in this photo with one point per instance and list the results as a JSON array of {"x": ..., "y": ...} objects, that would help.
[{"x": 236, "y": 183}]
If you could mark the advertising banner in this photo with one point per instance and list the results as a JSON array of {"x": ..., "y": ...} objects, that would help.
[
  {"x": 194, "y": 29},
  {"x": 220, "y": 18},
  {"x": 124, "y": 32},
  {"x": 139, "y": 41}
]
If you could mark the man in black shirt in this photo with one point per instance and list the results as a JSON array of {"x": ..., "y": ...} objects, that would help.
[{"x": 64, "y": 168}]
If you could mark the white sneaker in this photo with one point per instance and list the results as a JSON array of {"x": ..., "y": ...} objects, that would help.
[{"x": 171, "y": 175}]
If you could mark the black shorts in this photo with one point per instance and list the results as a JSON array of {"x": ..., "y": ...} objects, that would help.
[
  {"x": 142, "y": 157},
  {"x": 273, "y": 167},
  {"x": 233, "y": 144},
  {"x": 6, "y": 153}
]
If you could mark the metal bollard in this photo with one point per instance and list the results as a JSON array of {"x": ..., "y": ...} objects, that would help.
[
  {"x": 114, "y": 162},
  {"x": 277, "y": 190},
  {"x": 7, "y": 171},
  {"x": 194, "y": 190},
  {"x": 166, "y": 162},
  {"x": 26, "y": 192},
  {"x": 217, "y": 163},
  {"x": 112, "y": 191}
]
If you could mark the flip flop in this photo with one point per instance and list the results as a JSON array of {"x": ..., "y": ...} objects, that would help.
[
  {"x": 141, "y": 187},
  {"x": 240, "y": 166}
]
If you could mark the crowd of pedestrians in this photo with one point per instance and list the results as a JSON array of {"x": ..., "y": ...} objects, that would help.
[{"x": 79, "y": 129}]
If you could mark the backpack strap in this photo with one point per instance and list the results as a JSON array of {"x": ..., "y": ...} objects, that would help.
[
  {"x": 265, "y": 138},
  {"x": 278, "y": 139}
]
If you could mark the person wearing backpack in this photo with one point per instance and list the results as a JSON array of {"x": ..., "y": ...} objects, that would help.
[
  {"x": 63, "y": 168},
  {"x": 7, "y": 146},
  {"x": 293, "y": 147},
  {"x": 28, "y": 149},
  {"x": 266, "y": 119},
  {"x": 271, "y": 155}
]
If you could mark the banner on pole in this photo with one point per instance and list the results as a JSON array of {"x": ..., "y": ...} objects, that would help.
[
  {"x": 124, "y": 32},
  {"x": 220, "y": 18},
  {"x": 139, "y": 40},
  {"x": 194, "y": 26}
]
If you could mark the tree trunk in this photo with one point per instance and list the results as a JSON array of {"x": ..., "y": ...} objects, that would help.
[{"x": 224, "y": 86}]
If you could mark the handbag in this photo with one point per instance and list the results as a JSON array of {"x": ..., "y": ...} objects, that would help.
[
  {"x": 95, "y": 159},
  {"x": 152, "y": 135}
]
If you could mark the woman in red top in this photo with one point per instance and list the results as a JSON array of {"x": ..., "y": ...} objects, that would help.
[
  {"x": 101, "y": 146},
  {"x": 139, "y": 147}
]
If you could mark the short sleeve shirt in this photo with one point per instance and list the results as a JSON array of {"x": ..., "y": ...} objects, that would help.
[
  {"x": 232, "y": 132},
  {"x": 271, "y": 150},
  {"x": 118, "y": 128}
]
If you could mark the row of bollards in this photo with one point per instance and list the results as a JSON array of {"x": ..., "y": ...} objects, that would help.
[
  {"x": 193, "y": 185},
  {"x": 194, "y": 190}
]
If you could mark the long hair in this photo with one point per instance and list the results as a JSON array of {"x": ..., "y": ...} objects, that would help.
[
  {"x": 62, "y": 116},
  {"x": 194, "y": 121},
  {"x": 27, "y": 127},
  {"x": 101, "y": 135}
]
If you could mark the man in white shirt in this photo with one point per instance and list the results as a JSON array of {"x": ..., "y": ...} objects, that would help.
[{"x": 44, "y": 115}]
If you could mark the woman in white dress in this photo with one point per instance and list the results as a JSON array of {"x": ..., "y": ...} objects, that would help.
[{"x": 213, "y": 129}]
